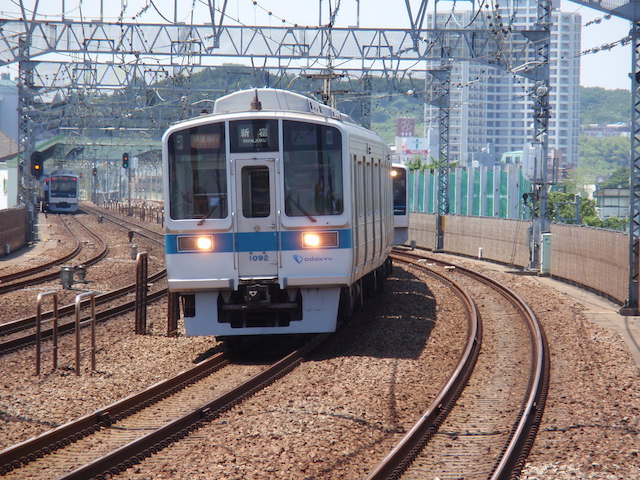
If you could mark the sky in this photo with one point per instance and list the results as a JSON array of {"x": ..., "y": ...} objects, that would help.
[{"x": 607, "y": 69}]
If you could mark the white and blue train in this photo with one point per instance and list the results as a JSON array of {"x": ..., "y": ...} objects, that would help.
[
  {"x": 279, "y": 215},
  {"x": 60, "y": 193},
  {"x": 400, "y": 175}
]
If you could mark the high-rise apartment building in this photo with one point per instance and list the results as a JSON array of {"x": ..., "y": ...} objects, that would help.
[{"x": 491, "y": 109}]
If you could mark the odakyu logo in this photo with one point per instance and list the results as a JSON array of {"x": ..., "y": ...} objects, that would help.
[{"x": 300, "y": 259}]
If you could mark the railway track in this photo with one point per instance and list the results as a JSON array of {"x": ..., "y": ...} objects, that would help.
[
  {"x": 411, "y": 458},
  {"x": 115, "y": 438},
  {"x": 479, "y": 440},
  {"x": 18, "y": 280},
  {"x": 137, "y": 228},
  {"x": 39, "y": 268},
  {"x": 20, "y": 333}
]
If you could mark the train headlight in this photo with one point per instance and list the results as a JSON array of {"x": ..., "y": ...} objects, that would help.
[
  {"x": 311, "y": 240},
  {"x": 205, "y": 243},
  {"x": 200, "y": 243},
  {"x": 394, "y": 173},
  {"x": 319, "y": 239}
]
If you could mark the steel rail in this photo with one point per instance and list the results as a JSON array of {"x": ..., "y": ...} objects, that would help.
[
  {"x": 130, "y": 454},
  {"x": 399, "y": 459},
  {"x": 18, "y": 325},
  {"x": 5, "y": 279},
  {"x": 523, "y": 433},
  {"x": 20, "y": 454},
  {"x": 50, "y": 276},
  {"x": 126, "y": 456},
  {"x": 28, "y": 339},
  {"x": 123, "y": 222},
  {"x": 39, "y": 268}
]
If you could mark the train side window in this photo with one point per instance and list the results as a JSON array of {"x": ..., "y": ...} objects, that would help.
[{"x": 256, "y": 198}]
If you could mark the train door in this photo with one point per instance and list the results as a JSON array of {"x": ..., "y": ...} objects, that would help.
[{"x": 256, "y": 243}]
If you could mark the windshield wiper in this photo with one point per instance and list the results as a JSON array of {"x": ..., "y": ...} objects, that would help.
[
  {"x": 299, "y": 207},
  {"x": 211, "y": 210}
]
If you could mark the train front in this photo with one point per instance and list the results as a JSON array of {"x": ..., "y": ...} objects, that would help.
[
  {"x": 258, "y": 239},
  {"x": 61, "y": 193}
]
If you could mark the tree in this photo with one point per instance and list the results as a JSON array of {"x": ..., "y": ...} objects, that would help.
[
  {"x": 561, "y": 207},
  {"x": 422, "y": 164},
  {"x": 600, "y": 106},
  {"x": 599, "y": 157},
  {"x": 615, "y": 223},
  {"x": 619, "y": 179}
]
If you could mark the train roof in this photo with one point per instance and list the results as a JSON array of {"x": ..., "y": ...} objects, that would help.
[{"x": 273, "y": 99}]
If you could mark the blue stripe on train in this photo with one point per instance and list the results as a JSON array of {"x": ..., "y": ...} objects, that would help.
[{"x": 252, "y": 242}]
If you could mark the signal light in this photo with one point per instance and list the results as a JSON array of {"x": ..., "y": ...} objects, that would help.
[
  {"x": 125, "y": 160},
  {"x": 94, "y": 172},
  {"x": 36, "y": 165}
]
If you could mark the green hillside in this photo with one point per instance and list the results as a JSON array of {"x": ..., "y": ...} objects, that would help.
[{"x": 601, "y": 106}]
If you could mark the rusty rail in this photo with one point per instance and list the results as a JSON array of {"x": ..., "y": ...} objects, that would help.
[
  {"x": 13, "y": 457},
  {"x": 520, "y": 441},
  {"x": 399, "y": 459}
]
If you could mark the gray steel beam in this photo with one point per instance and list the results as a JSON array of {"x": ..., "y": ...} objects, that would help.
[
  {"x": 201, "y": 45},
  {"x": 539, "y": 73},
  {"x": 441, "y": 98},
  {"x": 620, "y": 8},
  {"x": 634, "y": 185}
]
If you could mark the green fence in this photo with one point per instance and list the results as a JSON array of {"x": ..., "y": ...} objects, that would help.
[{"x": 479, "y": 191}]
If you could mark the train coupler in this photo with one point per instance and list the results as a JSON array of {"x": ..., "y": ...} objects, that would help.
[{"x": 257, "y": 295}]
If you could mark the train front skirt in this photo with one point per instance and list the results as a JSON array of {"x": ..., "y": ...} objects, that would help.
[{"x": 273, "y": 311}]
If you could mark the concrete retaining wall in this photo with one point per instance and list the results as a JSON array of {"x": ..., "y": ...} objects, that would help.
[
  {"x": 598, "y": 259},
  {"x": 13, "y": 229},
  {"x": 594, "y": 258},
  {"x": 501, "y": 240}
]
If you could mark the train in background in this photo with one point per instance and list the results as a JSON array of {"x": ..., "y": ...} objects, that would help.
[
  {"x": 279, "y": 215},
  {"x": 400, "y": 176},
  {"x": 60, "y": 193}
]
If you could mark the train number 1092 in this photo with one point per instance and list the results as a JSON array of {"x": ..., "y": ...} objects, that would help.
[{"x": 258, "y": 258}]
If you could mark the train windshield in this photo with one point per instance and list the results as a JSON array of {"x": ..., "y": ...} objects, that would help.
[
  {"x": 198, "y": 173},
  {"x": 65, "y": 187},
  {"x": 312, "y": 156}
]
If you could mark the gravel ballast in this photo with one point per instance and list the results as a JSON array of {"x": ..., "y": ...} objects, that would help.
[{"x": 403, "y": 344}]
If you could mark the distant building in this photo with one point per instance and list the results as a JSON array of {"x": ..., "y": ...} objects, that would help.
[
  {"x": 8, "y": 172},
  {"x": 607, "y": 131},
  {"x": 612, "y": 202},
  {"x": 512, "y": 157},
  {"x": 490, "y": 106}
]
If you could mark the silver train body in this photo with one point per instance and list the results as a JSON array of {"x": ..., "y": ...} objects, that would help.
[{"x": 279, "y": 215}]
